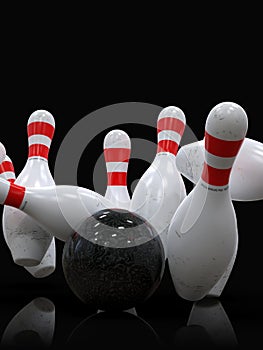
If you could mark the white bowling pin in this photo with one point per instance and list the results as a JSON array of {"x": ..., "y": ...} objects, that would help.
[
  {"x": 246, "y": 179},
  {"x": 35, "y": 322},
  {"x": 58, "y": 209},
  {"x": 117, "y": 150},
  {"x": 2, "y": 152},
  {"x": 161, "y": 188},
  {"x": 245, "y": 183},
  {"x": 47, "y": 265},
  {"x": 30, "y": 245},
  {"x": 210, "y": 314},
  {"x": 203, "y": 237}
]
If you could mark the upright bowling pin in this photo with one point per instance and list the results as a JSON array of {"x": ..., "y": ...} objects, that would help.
[
  {"x": 245, "y": 182},
  {"x": 28, "y": 242},
  {"x": 48, "y": 263},
  {"x": 117, "y": 150},
  {"x": 161, "y": 188},
  {"x": 203, "y": 237},
  {"x": 59, "y": 210},
  {"x": 34, "y": 324}
]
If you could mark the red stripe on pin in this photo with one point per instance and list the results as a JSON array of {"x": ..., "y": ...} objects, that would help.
[
  {"x": 6, "y": 166},
  {"x": 38, "y": 150},
  {"x": 15, "y": 195},
  {"x": 171, "y": 124},
  {"x": 167, "y": 146},
  {"x": 40, "y": 128},
  {"x": 117, "y": 154},
  {"x": 221, "y": 148},
  {"x": 117, "y": 178},
  {"x": 214, "y": 176}
]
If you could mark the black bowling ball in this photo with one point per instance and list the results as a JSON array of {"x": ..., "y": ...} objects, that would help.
[{"x": 115, "y": 260}]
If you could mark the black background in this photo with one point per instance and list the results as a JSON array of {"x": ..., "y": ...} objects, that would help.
[{"x": 70, "y": 89}]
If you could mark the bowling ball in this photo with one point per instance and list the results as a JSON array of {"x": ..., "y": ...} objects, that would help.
[{"x": 115, "y": 260}]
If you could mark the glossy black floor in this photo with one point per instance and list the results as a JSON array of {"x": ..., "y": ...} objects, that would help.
[{"x": 44, "y": 313}]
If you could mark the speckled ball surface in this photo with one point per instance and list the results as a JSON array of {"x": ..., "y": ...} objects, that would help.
[{"x": 115, "y": 261}]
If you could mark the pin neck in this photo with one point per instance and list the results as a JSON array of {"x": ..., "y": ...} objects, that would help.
[
  {"x": 117, "y": 178},
  {"x": 167, "y": 147},
  {"x": 219, "y": 158},
  {"x": 37, "y": 158},
  {"x": 165, "y": 154},
  {"x": 38, "y": 150}
]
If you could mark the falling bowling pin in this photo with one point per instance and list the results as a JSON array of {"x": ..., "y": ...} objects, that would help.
[
  {"x": 117, "y": 150},
  {"x": 203, "y": 236},
  {"x": 245, "y": 183},
  {"x": 28, "y": 242},
  {"x": 161, "y": 188},
  {"x": 2, "y": 152},
  {"x": 59, "y": 210},
  {"x": 48, "y": 263}
]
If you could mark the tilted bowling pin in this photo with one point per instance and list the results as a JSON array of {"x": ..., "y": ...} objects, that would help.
[
  {"x": 117, "y": 150},
  {"x": 59, "y": 210},
  {"x": 34, "y": 322},
  {"x": 203, "y": 237},
  {"x": 48, "y": 263},
  {"x": 245, "y": 181},
  {"x": 161, "y": 188},
  {"x": 2, "y": 152},
  {"x": 28, "y": 242}
]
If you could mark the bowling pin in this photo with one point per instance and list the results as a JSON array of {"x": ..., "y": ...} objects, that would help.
[
  {"x": 161, "y": 188},
  {"x": 2, "y": 152},
  {"x": 203, "y": 236},
  {"x": 245, "y": 182},
  {"x": 35, "y": 322},
  {"x": 28, "y": 242},
  {"x": 210, "y": 314},
  {"x": 117, "y": 150},
  {"x": 48, "y": 263},
  {"x": 59, "y": 210}
]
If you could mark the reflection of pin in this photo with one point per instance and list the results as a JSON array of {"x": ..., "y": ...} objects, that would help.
[
  {"x": 202, "y": 237},
  {"x": 161, "y": 188},
  {"x": 210, "y": 314},
  {"x": 33, "y": 325},
  {"x": 245, "y": 182},
  {"x": 47, "y": 265},
  {"x": 27, "y": 241},
  {"x": 58, "y": 209},
  {"x": 117, "y": 149}
]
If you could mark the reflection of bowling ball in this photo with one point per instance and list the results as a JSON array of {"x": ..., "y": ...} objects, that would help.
[
  {"x": 188, "y": 337},
  {"x": 115, "y": 261},
  {"x": 121, "y": 330}
]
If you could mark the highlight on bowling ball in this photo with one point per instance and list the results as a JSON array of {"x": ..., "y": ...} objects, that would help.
[{"x": 115, "y": 261}]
